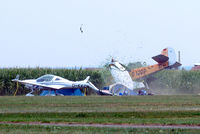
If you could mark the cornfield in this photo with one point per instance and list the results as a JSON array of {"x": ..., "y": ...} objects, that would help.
[
  {"x": 185, "y": 81},
  {"x": 7, "y": 87}
]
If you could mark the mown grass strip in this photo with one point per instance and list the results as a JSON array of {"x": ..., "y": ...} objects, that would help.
[
  {"x": 30, "y": 129},
  {"x": 164, "y": 117},
  {"x": 23, "y": 104},
  {"x": 156, "y": 114}
]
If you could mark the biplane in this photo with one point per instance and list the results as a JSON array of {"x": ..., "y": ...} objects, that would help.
[{"x": 126, "y": 80}]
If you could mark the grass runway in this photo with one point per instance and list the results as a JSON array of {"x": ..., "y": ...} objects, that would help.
[
  {"x": 33, "y": 129},
  {"x": 163, "y": 110}
]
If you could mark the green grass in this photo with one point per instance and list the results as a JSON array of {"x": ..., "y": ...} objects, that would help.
[
  {"x": 99, "y": 109},
  {"x": 189, "y": 117},
  {"x": 22, "y": 104},
  {"x": 36, "y": 129}
]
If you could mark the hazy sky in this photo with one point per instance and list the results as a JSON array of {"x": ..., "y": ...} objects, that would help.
[{"x": 46, "y": 32}]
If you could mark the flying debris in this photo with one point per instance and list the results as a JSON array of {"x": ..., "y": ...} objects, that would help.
[{"x": 81, "y": 28}]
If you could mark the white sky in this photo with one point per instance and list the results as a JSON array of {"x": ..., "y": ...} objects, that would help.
[{"x": 46, "y": 32}]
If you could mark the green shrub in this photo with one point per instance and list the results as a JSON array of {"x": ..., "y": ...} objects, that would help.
[{"x": 186, "y": 81}]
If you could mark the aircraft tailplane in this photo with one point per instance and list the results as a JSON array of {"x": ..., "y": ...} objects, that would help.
[
  {"x": 87, "y": 79},
  {"x": 16, "y": 79},
  {"x": 167, "y": 54},
  {"x": 160, "y": 58},
  {"x": 93, "y": 87}
]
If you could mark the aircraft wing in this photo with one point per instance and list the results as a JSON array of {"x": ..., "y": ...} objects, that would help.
[
  {"x": 28, "y": 82},
  {"x": 53, "y": 87}
]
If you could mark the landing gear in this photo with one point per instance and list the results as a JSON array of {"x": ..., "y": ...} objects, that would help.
[
  {"x": 30, "y": 94},
  {"x": 144, "y": 92}
]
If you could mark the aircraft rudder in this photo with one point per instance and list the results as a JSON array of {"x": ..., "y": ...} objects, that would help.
[
  {"x": 172, "y": 56},
  {"x": 167, "y": 54}
]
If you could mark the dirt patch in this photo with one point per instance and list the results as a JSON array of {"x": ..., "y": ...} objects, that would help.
[{"x": 107, "y": 125}]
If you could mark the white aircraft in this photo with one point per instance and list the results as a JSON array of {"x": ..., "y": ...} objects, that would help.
[
  {"x": 51, "y": 82},
  {"x": 123, "y": 82}
]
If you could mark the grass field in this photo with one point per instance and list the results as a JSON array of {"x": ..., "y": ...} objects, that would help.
[
  {"x": 59, "y": 104},
  {"x": 16, "y": 129},
  {"x": 98, "y": 109}
]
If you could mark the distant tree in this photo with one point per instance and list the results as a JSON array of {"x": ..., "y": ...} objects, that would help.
[{"x": 134, "y": 65}]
